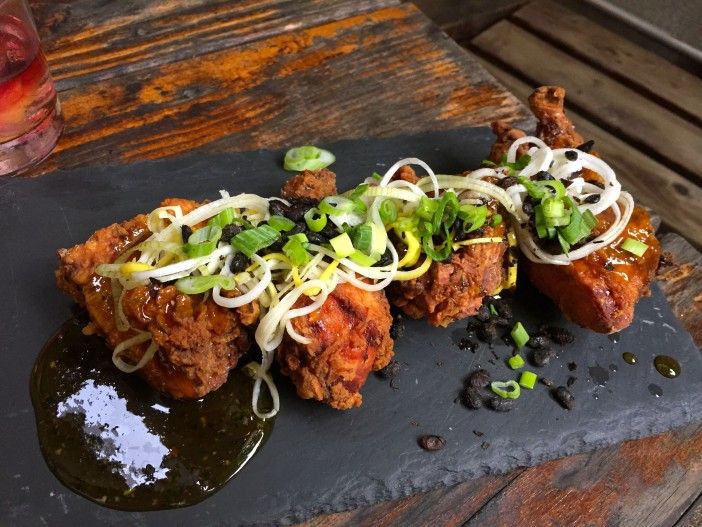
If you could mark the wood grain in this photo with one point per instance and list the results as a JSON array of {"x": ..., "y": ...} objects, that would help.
[
  {"x": 675, "y": 199},
  {"x": 623, "y": 112},
  {"x": 86, "y": 41},
  {"x": 618, "y": 57},
  {"x": 326, "y": 82}
]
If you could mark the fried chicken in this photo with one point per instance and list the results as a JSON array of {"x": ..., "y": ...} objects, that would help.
[
  {"x": 453, "y": 289},
  {"x": 599, "y": 291},
  {"x": 350, "y": 333},
  {"x": 198, "y": 341},
  {"x": 350, "y": 336}
]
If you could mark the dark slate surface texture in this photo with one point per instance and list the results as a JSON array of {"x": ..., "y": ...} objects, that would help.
[{"x": 318, "y": 459}]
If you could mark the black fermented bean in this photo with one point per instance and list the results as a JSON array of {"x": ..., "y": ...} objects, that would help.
[
  {"x": 185, "y": 232},
  {"x": 397, "y": 329},
  {"x": 564, "y": 397},
  {"x": 229, "y": 231},
  {"x": 500, "y": 404},
  {"x": 541, "y": 357},
  {"x": 432, "y": 442},
  {"x": 479, "y": 379},
  {"x": 571, "y": 155},
  {"x": 239, "y": 263},
  {"x": 471, "y": 398}
]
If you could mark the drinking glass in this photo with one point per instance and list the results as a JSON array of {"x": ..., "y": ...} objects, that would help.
[{"x": 30, "y": 113}]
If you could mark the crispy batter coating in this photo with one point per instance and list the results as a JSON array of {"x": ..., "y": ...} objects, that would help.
[
  {"x": 350, "y": 336},
  {"x": 599, "y": 291},
  {"x": 310, "y": 185},
  {"x": 199, "y": 342}
]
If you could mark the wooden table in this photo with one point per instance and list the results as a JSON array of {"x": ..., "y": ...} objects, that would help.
[{"x": 144, "y": 79}]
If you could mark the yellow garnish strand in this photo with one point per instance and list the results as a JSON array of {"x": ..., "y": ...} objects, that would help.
[
  {"x": 134, "y": 267},
  {"x": 295, "y": 273},
  {"x": 414, "y": 249},
  {"x": 401, "y": 276},
  {"x": 326, "y": 275},
  {"x": 476, "y": 241}
]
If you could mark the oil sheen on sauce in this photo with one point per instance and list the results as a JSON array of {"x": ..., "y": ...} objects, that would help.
[{"x": 111, "y": 438}]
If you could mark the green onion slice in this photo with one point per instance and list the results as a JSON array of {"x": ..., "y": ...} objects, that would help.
[
  {"x": 253, "y": 240},
  {"x": 519, "y": 335},
  {"x": 307, "y": 158},
  {"x": 635, "y": 247},
  {"x": 342, "y": 245},
  {"x": 203, "y": 241},
  {"x": 388, "y": 211},
  {"x": 337, "y": 205},
  {"x": 193, "y": 285},
  {"x": 315, "y": 220},
  {"x": 515, "y": 362},
  {"x": 528, "y": 380},
  {"x": 223, "y": 219},
  {"x": 473, "y": 216},
  {"x": 281, "y": 223},
  {"x": 496, "y": 220},
  {"x": 296, "y": 251},
  {"x": 507, "y": 389}
]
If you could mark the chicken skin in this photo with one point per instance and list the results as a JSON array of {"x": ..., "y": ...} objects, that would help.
[
  {"x": 598, "y": 291},
  {"x": 350, "y": 337},
  {"x": 198, "y": 341}
]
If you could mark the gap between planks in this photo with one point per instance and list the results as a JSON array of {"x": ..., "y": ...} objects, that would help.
[
  {"x": 664, "y": 135},
  {"x": 674, "y": 198}
]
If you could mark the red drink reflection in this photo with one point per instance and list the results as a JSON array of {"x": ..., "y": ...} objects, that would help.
[{"x": 29, "y": 116}]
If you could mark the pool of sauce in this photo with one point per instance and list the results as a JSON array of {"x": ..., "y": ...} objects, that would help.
[
  {"x": 111, "y": 438},
  {"x": 667, "y": 366}
]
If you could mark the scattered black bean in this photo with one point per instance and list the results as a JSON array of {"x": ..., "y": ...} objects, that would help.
[
  {"x": 564, "y": 397},
  {"x": 298, "y": 208},
  {"x": 277, "y": 245},
  {"x": 528, "y": 206},
  {"x": 278, "y": 208},
  {"x": 229, "y": 231},
  {"x": 479, "y": 379},
  {"x": 500, "y": 404},
  {"x": 483, "y": 313},
  {"x": 397, "y": 329},
  {"x": 507, "y": 182},
  {"x": 571, "y": 155},
  {"x": 592, "y": 198},
  {"x": 473, "y": 324},
  {"x": 586, "y": 146},
  {"x": 471, "y": 398},
  {"x": 571, "y": 381},
  {"x": 478, "y": 433},
  {"x": 299, "y": 227},
  {"x": 542, "y": 356},
  {"x": 572, "y": 366},
  {"x": 316, "y": 238},
  {"x": 385, "y": 259},
  {"x": 502, "y": 306},
  {"x": 239, "y": 263},
  {"x": 329, "y": 231},
  {"x": 486, "y": 333},
  {"x": 484, "y": 445},
  {"x": 542, "y": 176},
  {"x": 560, "y": 335},
  {"x": 609, "y": 266},
  {"x": 538, "y": 342},
  {"x": 467, "y": 344},
  {"x": 154, "y": 287},
  {"x": 431, "y": 442},
  {"x": 390, "y": 371},
  {"x": 185, "y": 232},
  {"x": 546, "y": 381},
  {"x": 502, "y": 321}
]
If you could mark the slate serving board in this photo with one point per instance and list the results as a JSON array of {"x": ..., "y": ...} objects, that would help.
[{"x": 318, "y": 459}]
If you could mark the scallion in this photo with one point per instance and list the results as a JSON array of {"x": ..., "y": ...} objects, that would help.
[
  {"x": 193, "y": 285},
  {"x": 315, "y": 220},
  {"x": 296, "y": 251},
  {"x": 203, "y": 241},
  {"x": 528, "y": 380},
  {"x": 496, "y": 220},
  {"x": 515, "y": 362},
  {"x": 473, "y": 216},
  {"x": 281, "y": 223},
  {"x": 336, "y": 205},
  {"x": 506, "y": 389},
  {"x": 253, "y": 240},
  {"x": 635, "y": 247},
  {"x": 307, "y": 158},
  {"x": 519, "y": 335},
  {"x": 342, "y": 245},
  {"x": 223, "y": 219},
  {"x": 388, "y": 211}
]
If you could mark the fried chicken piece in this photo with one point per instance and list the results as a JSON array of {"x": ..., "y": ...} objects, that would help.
[
  {"x": 350, "y": 336},
  {"x": 599, "y": 291},
  {"x": 310, "y": 185},
  {"x": 198, "y": 342},
  {"x": 455, "y": 289}
]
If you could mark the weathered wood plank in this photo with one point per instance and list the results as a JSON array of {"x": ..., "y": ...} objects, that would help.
[
  {"x": 618, "y": 57},
  {"x": 682, "y": 283},
  {"x": 383, "y": 73},
  {"x": 623, "y": 112},
  {"x": 675, "y": 199},
  {"x": 445, "y": 507},
  {"x": 693, "y": 516},
  {"x": 645, "y": 483},
  {"x": 87, "y": 41}
]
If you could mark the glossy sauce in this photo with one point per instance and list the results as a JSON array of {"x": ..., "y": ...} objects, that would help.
[
  {"x": 667, "y": 366},
  {"x": 111, "y": 438},
  {"x": 630, "y": 358}
]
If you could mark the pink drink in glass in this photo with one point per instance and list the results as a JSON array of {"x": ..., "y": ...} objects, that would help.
[{"x": 30, "y": 121}]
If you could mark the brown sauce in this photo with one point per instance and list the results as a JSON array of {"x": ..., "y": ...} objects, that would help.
[
  {"x": 667, "y": 366},
  {"x": 109, "y": 437}
]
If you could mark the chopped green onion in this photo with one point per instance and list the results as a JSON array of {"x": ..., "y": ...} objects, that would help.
[
  {"x": 519, "y": 165},
  {"x": 515, "y": 362},
  {"x": 635, "y": 247},
  {"x": 336, "y": 205},
  {"x": 553, "y": 208},
  {"x": 253, "y": 240},
  {"x": 342, "y": 245},
  {"x": 493, "y": 311},
  {"x": 315, "y": 220},
  {"x": 507, "y": 389},
  {"x": 362, "y": 237},
  {"x": 473, "y": 216},
  {"x": 438, "y": 255},
  {"x": 359, "y": 191},
  {"x": 193, "y": 285},
  {"x": 307, "y": 158},
  {"x": 580, "y": 226},
  {"x": 363, "y": 259},
  {"x": 203, "y": 241},
  {"x": 300, "y": 236},
  {"x": 496, "y": 220},
  {"x": 376, "y": 176},
  {"x": 281, "y": 223},
  {"x": 296, "y": 251},
  {"x": 528, "y": 379},
  {"x": 519, "y": 335},
  {"x": 223, "y": 219},
  {"x": 388, "y": 211},
  {"x": 426, "y": 208}
]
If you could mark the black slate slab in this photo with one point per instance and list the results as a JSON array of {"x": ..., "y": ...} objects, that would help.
[{"x": 318, "y": 459}]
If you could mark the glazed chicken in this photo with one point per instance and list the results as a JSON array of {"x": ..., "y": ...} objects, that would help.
[
  {"x": 453, "y": 289},
  {"x": 350, "y": 333},
  {"x": 198, "y": 341},
  {"x": 599, "y": 291}
]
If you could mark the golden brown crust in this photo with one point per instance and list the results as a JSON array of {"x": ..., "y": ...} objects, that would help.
[{"x": 310, "y": 185}]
